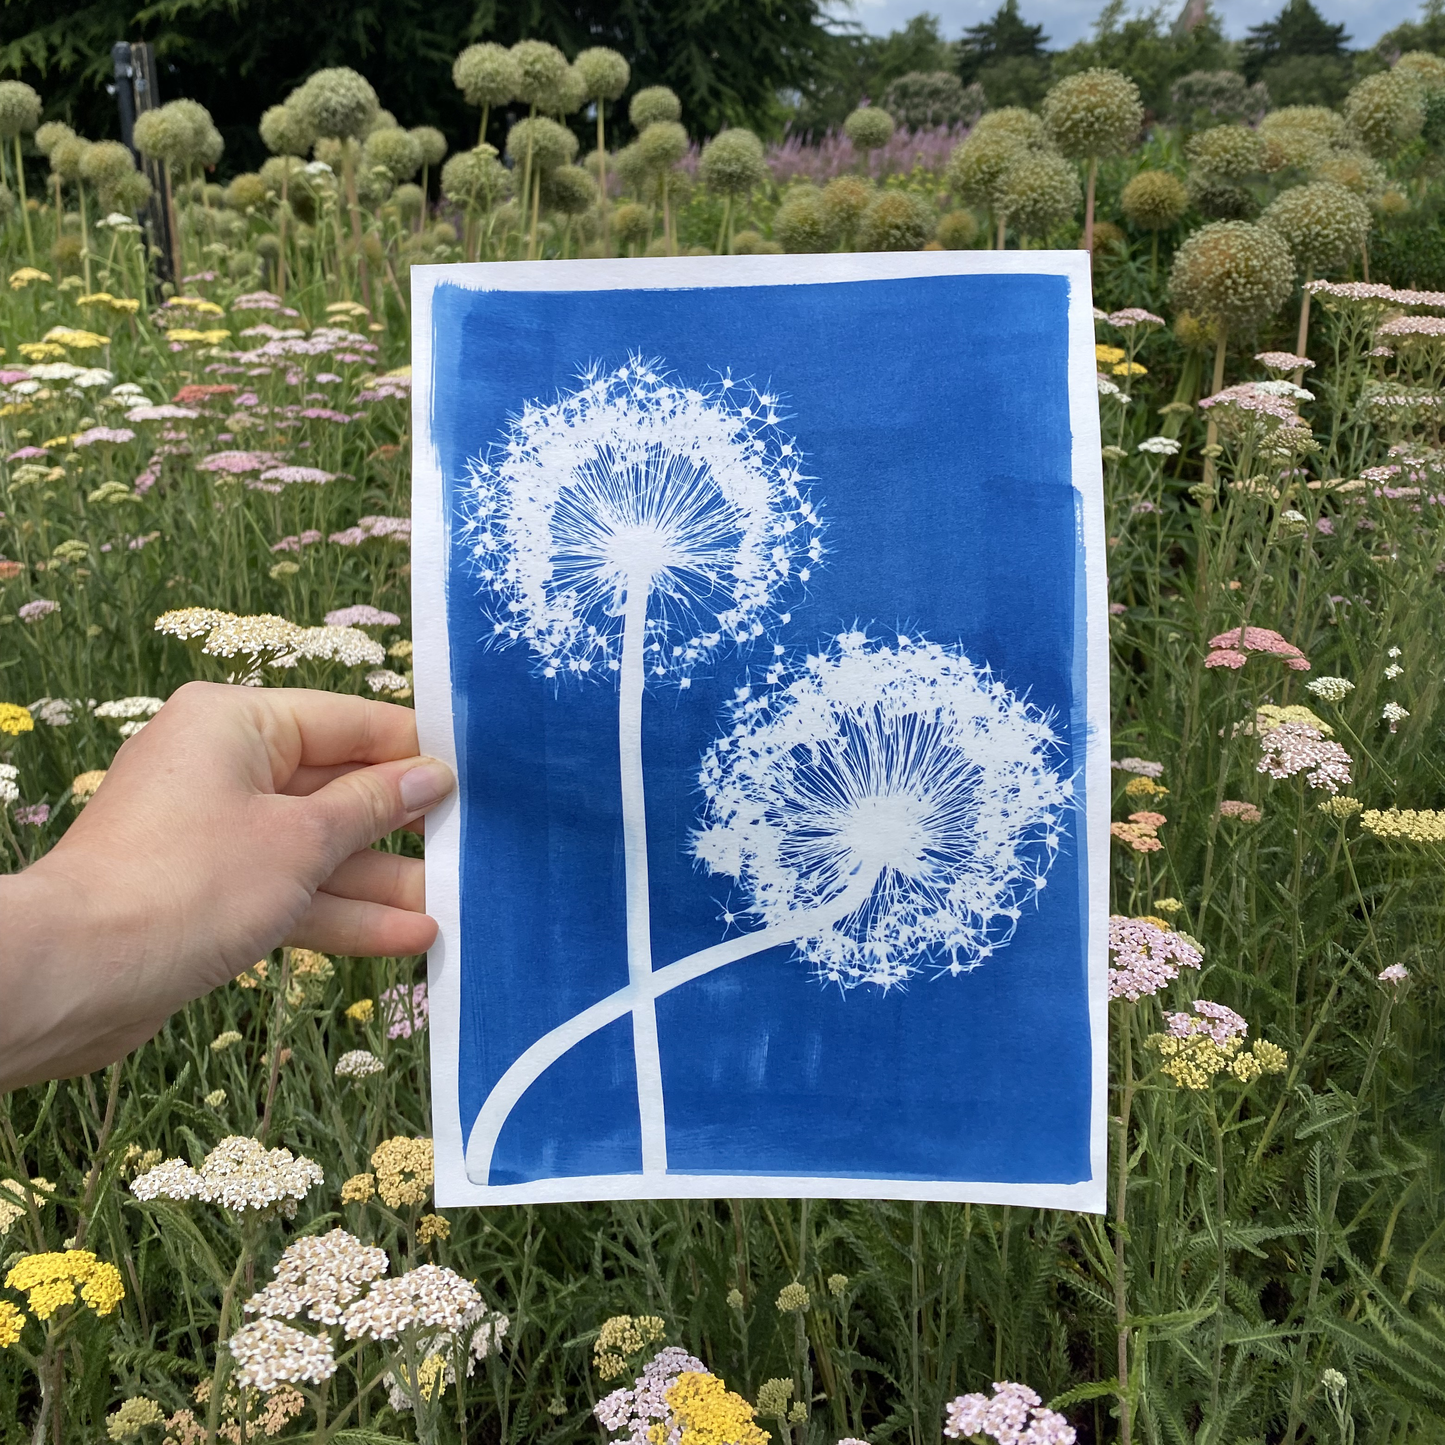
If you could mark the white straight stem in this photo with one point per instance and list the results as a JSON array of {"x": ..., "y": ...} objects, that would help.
[{"x": 645, "y": 1049}]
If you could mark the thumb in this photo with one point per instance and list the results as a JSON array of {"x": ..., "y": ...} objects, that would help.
[{"x": 351, "y": 812}]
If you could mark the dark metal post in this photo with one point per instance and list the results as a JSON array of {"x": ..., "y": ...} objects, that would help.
[{"x": 136, "y": 93}]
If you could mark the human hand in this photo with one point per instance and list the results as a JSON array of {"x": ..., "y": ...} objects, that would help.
[{"x": 236, "y": 820}]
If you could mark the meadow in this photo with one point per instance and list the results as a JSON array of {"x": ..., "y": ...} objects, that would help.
[{"x": 230, "y": 1235}]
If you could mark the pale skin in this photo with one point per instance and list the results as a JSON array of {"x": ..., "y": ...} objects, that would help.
[{"x": 237, "y": 820}]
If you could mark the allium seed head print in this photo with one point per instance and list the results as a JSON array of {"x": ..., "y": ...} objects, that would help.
[
  {"x": 900, "y": 784},
  {"x": 638, "y": 486}
]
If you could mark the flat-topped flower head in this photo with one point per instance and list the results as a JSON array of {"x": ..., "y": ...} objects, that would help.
[
  {"x": 1296, "y": 747},
  {"x": 269, "y": 1353},
  {"x": 51, "y": 1282},
  {"x": 633, "y": 484},
  {"x": 1231, "y": 649},
  {"x": 429, "y": 1297},
  {"x": 1144, "y": 956},
  {"x": 1214, "y": 1019},
  {"x": 239, "y": 1174},
  {"x": 318, "y": 1276},
  {"x": 1015, "y": 1415},
  {"x": 633, "y": 1415},
  {"x": 903, "y": 791}
]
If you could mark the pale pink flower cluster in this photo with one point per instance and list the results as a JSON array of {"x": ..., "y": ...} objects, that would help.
[
  {"x": 1412, "y": 326},
  {"x": 1214, "y": 1019},
  {"x": 1014, "y": 1416},
  {"x": 318, "y": 1276},
  {"x": 1353, "y": 290},
  {"x": 1245, "y": 812},
  {"x": 1251, "y": 396},
  {"x": 1144, "y": 957},
  {"x": 1142, "y": 766},
  {"x": 166, "y": 411},
  {"x": 374, "y": 529},
  {"x": 363, "y": 614},
  {"x": 268, "y": 1353},
  {"x": 1396, "y": 973},
  {"x": 289, "y": 474},
  {"x": 1227, "y": 650},
  {"x": 296, "y": 542},
  {"x": 34, "y": 611},
  {"x": 431, "y": 1297},
  {"x": 262, "y": 301},
  {"x": 404, "y": 1011},
  {"x": 239, "y": 1173},
  {"x": 92, "y": 435},
  {"x": 236, "y": 464},
  {"x": 1282, "y": 360},
  {"x": 1407, "y": 297},
  {"x": 1133, "y": 316},
  {"x": 631, "y": 1413},
  {"x": 1296, "y": 747}
]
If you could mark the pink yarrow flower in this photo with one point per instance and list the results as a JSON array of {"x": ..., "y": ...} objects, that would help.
[
  {"x": 296, "y": 541},
  {"x": 1296, "y": 747},
  {"x": 1282, "y": 360},
  {"x": 36, "y": 815},
  {"x": 1247, "y": 396},
  {"x": 1014, "y": 1416},
  {"x": 1214, "y": 1019},
  {"x": 236, "y": 463},
  {"x": 1396, "y": 973},
  {"x": 1145, "y": 957},
  {"x": 403, "y": 1010},
  {"x": 92, "y": 436},
  {"x": 34, "y": 611},
  {"x": 1229, "y": 651},
  {"x": 287, "y": 475},
  {"x": 1133, "y": 316}
]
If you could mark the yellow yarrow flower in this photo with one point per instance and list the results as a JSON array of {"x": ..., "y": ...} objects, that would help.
[
  {"x": 1408, "y": 825},
  {"x": 121, "y": 305},
  {"x": 403, "y": 1170},
  {"x": 431, "y": 1227},
  {"x": 42, "y": 351},
  {"x": 22, "y": 278},
  {"x": 48, "y": 1281},
  {"x": 15, "y": 719},
  {"x": 359, "y": 1189},
  {"x": 12, "y": 1321},
  {"x": 76, "y": 340},
  {"x": 83, "y": 786},
  {"x": 362, "y": 1011},
  {"x": 198, "y": 304},
  {"x": 1108, "y": 355},
  {"x": 708, "y": 1413},
  {"x": 1130, "y": 368},
  {"x": 208, "y": 338}
]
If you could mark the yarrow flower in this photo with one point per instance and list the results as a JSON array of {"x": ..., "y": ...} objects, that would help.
[
  {"x": 1141, "y": 832},
  {"x": 15, "y": 719},
  {"x": 1227, "y": 649},
  {"x": 1282, "y": 361},
  {"x": 1160, "y": 446},
  {"x": 1395, "y": 973},
  {"x": 50, "y": 1282},
  {"x": 403, "y": 1170},
  {"x": 34, "y": 611},
  {"x": 894, "y": 805},
  {"x": 429, "y": 1297},
  {"x": 1296, "y": 747},
  {"x": 318, "y": 1276},
  {"x": 361, "y": 614},
  {"x": 1202, "y": 1045},
  {"x": 404, "y": 1010},
  {"x": 633, "y": 1414},
  {"x": 1407, "y": 825},
  {"x": 129, "y": 707},
  {"x": 1214, "y": 1019},
  {"x": 358, "y": 1064},
  {"x": 1015, "y": 1415},
  {"x": 269, "y": 1353},
  {"x": 1141, "y": 766},
  {"x": 623, "y": 1336},
  {"x": 238, "y": 1174},
  {"x": 1145, "y": 955},
  {"x": 1331, "y": 689}
]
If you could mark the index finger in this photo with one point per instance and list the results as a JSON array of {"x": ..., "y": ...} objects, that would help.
[{"x": 307, "y": 728}]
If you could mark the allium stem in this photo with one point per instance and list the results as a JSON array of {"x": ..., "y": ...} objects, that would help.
[
  {"x": 533, "y": 1062},
  {"x": 602, "y": 180},
  {"x": 348, "y": 167},
  {"x": 639, "y": 907},
  {"x": 281, "y": 231},
  {"x": 1304, "y": 325},
  {"x": 1089, "y": 205},
  {"x": 1211, "y": 435},
  {"x": 24, "y": 205}
]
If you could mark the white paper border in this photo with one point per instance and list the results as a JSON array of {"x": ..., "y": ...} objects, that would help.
[{"x": 433, "y": 686}]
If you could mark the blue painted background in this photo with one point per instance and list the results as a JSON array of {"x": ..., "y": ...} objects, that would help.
[{"x": 933, "y": 414}]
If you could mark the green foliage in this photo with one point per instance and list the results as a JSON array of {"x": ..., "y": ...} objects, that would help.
[{"x": 1298, "y": 30}]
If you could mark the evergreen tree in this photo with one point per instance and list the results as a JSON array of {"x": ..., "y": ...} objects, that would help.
[
  {"x": 1298, "y": 30},
  {"x": 1006, "y": 36}
]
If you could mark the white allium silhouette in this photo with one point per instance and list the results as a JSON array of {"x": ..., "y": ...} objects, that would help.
[
  {"x": 633, "y": 527},
  {"x": 636, "y": 488},
  {"x": 903, "y": 780}
]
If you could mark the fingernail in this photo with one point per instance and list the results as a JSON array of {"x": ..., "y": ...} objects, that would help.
[{"x": 425, "y": 785}]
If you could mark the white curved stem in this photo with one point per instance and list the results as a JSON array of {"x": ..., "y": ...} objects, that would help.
[
  {"x": 532, "y": 1063},
  {"x": 646, "y": 1052}
]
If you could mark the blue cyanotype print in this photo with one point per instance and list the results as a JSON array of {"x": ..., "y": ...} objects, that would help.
[{"x": 766, "y": 638}]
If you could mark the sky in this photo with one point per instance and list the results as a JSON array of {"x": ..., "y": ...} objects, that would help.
[{"x": 1066, "y": 21}]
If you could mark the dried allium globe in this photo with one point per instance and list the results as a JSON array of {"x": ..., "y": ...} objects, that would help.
[
  {"x": 541, "y": 143},
  {"x": 1324, "y": 225},
  {"x": 541, "y": 75},
  {"x": 662, "y": 144},
  {"x": 338, "y": 103},
  {"x": 569, "y": 190},
  {"x": 801, "y": 223},
  {"x": 476, "y": 180},
  {"x": 653, "y": 104},
  {"x": 1039, "y": 191},
  {"x": 396, "y": 151},
  {"x": 895, "y": 221},
  {"x": 845, "y": 198},
  {"x": 604, "y": 72},
  {"x": 895, "y": 808},
  {"x": 869, "y": 128},
  {"x": 1226, "y": 152},
  {"x": 1094, "y": 113},
  {"x": 1013, "y": 120},
  {"x": 732, "y": 163},
  {"x": 1356, "y": 172},
  {"x": 1233, "y": 272},
  {"x": 1386, "y": 111},
  {"x": 285, "y": 131},
  {"x": 978, "y": 164},
  {"x": 432, "y": 142},
  {"x": 486, "y": 75},
  {"x": 20, "y": 108},
  {"x": 1154, "y": 200}
]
